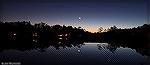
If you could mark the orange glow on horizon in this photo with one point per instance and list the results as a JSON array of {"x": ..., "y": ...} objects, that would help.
[{"x": 92, "y": 29}]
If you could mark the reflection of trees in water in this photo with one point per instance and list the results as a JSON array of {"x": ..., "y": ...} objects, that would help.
[
  {"x": 146, "y": 54},
  {"x": 102, "y": 46},
  {"x": 113, "y": 46},
  {"x": 147, "y": 60},
  {"x": 139, "y": 49},
  {"x": 143, "y": 51},
  {"x": 24, "y": 45}
]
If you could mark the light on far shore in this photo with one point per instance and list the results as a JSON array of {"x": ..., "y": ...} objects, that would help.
[{"x": 14, "y": 34}]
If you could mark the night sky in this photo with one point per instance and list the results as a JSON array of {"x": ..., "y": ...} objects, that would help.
[{"x": 93, "y": 13}]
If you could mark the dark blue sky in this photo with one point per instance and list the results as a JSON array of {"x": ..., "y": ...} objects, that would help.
[{"x": 93, "y": 13}]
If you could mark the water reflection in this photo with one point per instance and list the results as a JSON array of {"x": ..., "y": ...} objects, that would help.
[
  {"x": 145, "y": 52},
  {"x": 107, "y": 46},
  {"x": 112, "y": 48},
  {"x": 73, "y": 50},
  {"x": 40, "y": 45},
  {"x": 57, "y": 44}
]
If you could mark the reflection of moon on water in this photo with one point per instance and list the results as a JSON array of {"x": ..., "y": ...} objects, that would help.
[{"x": 79, "y": 51}]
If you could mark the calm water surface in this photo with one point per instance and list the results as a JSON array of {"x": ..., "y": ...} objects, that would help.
[{"x": 88, "y": 54}]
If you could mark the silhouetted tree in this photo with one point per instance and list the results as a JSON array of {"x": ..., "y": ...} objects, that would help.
[
  {"x": 113, "y": 28},
  {"x": 100, "y": 29}
]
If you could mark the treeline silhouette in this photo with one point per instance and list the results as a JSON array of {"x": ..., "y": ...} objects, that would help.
[
  {"x": 42, "y": 32},
  {"x": 24, "y": 30},
  {"x": 139, "y": 34},
  {"x": 25, "y": 36}
]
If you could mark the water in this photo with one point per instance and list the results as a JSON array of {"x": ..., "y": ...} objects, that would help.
[{"x": 87, "y": 54}]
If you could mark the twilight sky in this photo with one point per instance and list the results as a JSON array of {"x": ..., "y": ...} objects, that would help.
[{"x": 93, "y": 13}]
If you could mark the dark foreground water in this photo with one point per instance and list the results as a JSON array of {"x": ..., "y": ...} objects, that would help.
[{"x": 87, "y": 54}]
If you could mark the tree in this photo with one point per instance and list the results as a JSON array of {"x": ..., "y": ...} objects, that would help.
[
  {"x": 113, "y": 28},
  {"x": 100, "y": 29}
]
